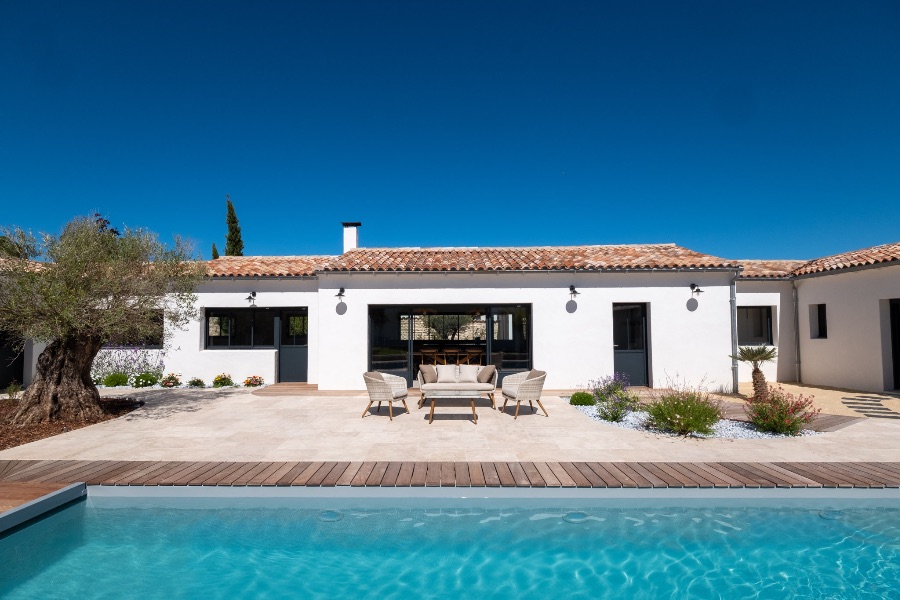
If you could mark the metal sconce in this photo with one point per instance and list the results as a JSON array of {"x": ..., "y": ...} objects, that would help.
[
  {"x": 340, "y": 295},
  {"x": 573, "y": 292},
  {"x": 695, "y": 289},
  {"x": 251, "y": 298}
]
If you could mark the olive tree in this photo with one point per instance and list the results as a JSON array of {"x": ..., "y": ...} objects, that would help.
[{"x": 77, "y": 290}]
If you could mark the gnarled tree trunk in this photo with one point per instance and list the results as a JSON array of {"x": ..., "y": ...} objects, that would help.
[{"x": 62, "y": 388}]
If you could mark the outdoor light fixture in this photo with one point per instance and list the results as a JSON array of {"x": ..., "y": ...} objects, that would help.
[
  {"x": 251, "y": 298},
  {"x": 340, "y": 295},
  {"x": 695, "y": 289},
  {"x": 573, "y": 292}
]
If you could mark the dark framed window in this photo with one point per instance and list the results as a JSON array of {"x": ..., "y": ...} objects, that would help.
[
  {"x": 818, "y": 322},
  {"x": 295, "y": 327},
  {"x": 754, "y": 325},
  {"x": 240, "y": 328},
  {"x": 152, "y": 340}
]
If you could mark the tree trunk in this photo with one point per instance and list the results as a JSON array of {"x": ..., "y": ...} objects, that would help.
[
  {"x": 62, "y": 388},
  {"x": 760, "y": 389}
]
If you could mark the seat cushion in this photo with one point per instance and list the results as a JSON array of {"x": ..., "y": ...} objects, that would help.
[
  {"x": 429, "y": 375},
  {"x": 486, "y": 374},
  {"x": 462, "y": 387},
  {"x": 398, "y": 393},
  {"x": 446, "y": 373}
]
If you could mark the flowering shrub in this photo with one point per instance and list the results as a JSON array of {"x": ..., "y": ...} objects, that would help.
[
  {"x": 130, "y": 361},
  {"x": 612, "y": 397},
  {"x": 684, "y": 411},
  {"x": 781, "y": 412},
  {"x": 170, "y": 381},
  {"x": 196, "y": 382},
  {"x": 582, "y": 399},
  {"x": 143, "y": 380},
  {"x": 222, "y": 380},
  {"x": 254, "y": 381},
  {"x": 115, "y": 380}
]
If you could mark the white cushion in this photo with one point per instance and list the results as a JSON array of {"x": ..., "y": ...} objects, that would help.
[
  {"x": 468, "y": 373},
  {"x": 461, "y": 387},
  {"x": 446, "y": 373}
]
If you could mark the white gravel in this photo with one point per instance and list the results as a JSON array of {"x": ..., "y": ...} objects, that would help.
[{"x": 724, "y": 429}]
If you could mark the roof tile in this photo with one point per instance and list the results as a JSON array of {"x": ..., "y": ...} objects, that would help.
[
  {"x": 266, "y": 266},
  {"x": 769, "y": 269},
  {"x": 885, "y": 253}
]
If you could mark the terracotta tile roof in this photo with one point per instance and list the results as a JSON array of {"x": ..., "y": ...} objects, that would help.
[
  {"x": 857, "y": 258},
  {"x": 588, "y": 258},
  {"x": 769, "y": 269},
  {"x": 266, "y": 266}
]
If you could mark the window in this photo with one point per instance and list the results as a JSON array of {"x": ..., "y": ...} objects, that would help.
[
  {"x": 818, "y": 323},
  {"x": 240, "y": 328},
  {"x": 754, "y": 325},
  {"x": 294, "y": 328},
  {"x": 151, "y": 340}
]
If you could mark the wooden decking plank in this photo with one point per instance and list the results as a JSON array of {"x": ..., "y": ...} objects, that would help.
[
  {"x": 319, "y": 476},
  {"x": 894, "y": 467},
  {"x": 377, "y": 473},
  {"x": 462, "y": 474},
  {"x": 125, "y": 466},
  {"x": 617, "y": 472},
  {"x": 76, "y": 472},
  {"x": 599, "y": 478},
  {"x": 280, "y": 472},
  {"x": 164, "y": 476},
  {"x": 782, "y": 477},
  {"x": 680, "y": 479},
  {"x": 853, "y": 476},
  {"x": 576, "y": 476},
  {"x": 518, "y": 474},
  {"x": 62, "y": 474},
  {"x": 419, "y": 475},
  {"x": 889, "y": 478},
  {"x": 198, "y": 472},
  {"x": 138, "y": 468},
  {"x": 815, "y": 472},
  {"x": 170, "y": 477},
  {"x": 335, "y": 474},
  {"x": 236, "y": 476},
  {"x": 641, "y": 475},
  {"x": 547, "y": 474},
  {"x": 718, "y": 480},
  {"x": 565, "y": 480},
  {"x": 244, "y": 477},
  {"x": 476, "y": 475},
  {"x": 433, "y": 474},
  {"x": 362, "y": 474},
  {"x": 743, "y": 479},
  {"x": 404, "y": 478},
  {"x": 392, "y": 474},
  {"x": 216, "y": 475},
  {"x": 503, "y": 472},
  {"x": 448, "y": 474},
  {"x": 292, "y": 474},
  {"x": 37, "y": 469},
  {"x": 491, "y": 478},
  {"x": 701, "y": 479},
  {"x": 664, "y": 476},
  {"x": 349, "y": 473},
  {"x": 269, "y": 471},
  {"x": 760, "y": 479},
  {"x": 12, "y": 466},
  {"x": 307, "y": 473},
  {"x": 533, "y": 475}
]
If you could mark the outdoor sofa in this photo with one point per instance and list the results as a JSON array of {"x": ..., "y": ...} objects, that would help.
[{"x": 474, "y": 379}]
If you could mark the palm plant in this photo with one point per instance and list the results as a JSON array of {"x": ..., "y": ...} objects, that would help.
[{"x": 757, "y": 355}]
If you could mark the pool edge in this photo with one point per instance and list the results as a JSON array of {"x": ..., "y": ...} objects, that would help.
[{"x": 34, "y": 509}]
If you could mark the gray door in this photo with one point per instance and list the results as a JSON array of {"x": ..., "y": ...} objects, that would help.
[
  {"x": 630, "y": 341},
  {"x": 895, "y": 340},
  {"x": 293, "y": 351}
]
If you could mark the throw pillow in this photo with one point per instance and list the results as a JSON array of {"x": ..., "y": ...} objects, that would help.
[
  {"x": 446, "y": 373},
  {"x": 534, "y": 374},
  {"x": 429, "y": 375},
  {"x": 486, "y": 374},
  {"x": 468, "y": 373},
  {"x": 374, "y": 375}
]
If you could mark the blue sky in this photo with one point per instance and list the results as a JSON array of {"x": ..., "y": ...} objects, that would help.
[{"x": 740, "y": 129}]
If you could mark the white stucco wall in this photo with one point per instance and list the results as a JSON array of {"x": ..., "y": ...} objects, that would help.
[
  {"x": 779, "y": 296},
  {"x": 188, "y": 356},
  {"x": 856, "y": 353},
  {"x": 572, "y": 347}
]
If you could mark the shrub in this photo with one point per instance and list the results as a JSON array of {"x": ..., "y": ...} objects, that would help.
[
  {"x": 222, "y": 380},
  {"x": 171, "y": 380},
  {"x": 581, "y": 399},
  {"x": 13, "y": 389},
  {"x": 115, "y": 380},
  {"x": 685, "y": 412},
  {"x": 130, "y": 361},
  {"x": 196, "y": 382},
  {"x": 609, "y": 386},
  {"x": 615, "y": 406},
  {"x": 781, "y": 412},
  {"x": 142, "y": 380},
  {"x": 254, "y": 381}
]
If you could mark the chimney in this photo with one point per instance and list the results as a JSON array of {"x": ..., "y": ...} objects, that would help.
[{"x": 351, "y": 235}]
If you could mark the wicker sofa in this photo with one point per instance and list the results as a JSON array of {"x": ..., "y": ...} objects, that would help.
[{"x": 444, "y": 380}]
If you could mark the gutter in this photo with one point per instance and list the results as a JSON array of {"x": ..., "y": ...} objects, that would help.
[
  {"x": 734, "y": 336},
  {"x": 796, "y": 330}
]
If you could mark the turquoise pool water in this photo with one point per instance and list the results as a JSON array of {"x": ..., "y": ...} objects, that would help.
[{"x": 473, "y": 549}]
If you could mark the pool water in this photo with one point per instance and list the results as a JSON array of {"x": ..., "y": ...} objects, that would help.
[{"x": 469, "y": 550}]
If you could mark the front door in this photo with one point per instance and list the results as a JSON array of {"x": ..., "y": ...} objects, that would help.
[
  {"x": 895, "y": 340},
  {"x": 293, "y": 352},
  {"x": 630, "y": 341}
]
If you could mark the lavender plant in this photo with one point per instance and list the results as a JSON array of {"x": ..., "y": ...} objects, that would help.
[
  {"x": 612, "y": 397},
  {"x": 130, "y": 361}
]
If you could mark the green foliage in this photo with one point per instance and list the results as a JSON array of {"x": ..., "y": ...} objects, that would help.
[
  {"x": 234, "y": 245},
  {"x": 13, "y": 389},
  {"x": 616, "y": 405},
  {"x": 781, "y": 412},
  {"x": 115, "y": 379},
  {"x": 222, "y": 380},
  {"x": 685, "y": 412},
  {"x": 196, "y": 382},
  {"x": 581, "y": 399},
  {"x": 143, "y": 380},
  {"x": 215, "y": 252},
  {"x": 170, "y": 381}
]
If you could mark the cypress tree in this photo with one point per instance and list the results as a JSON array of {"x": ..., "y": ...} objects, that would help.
[
  {"x": 234, "y": 245},
  {"x": 215, "y": 252}
]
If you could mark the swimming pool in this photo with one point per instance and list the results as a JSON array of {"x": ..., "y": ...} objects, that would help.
[{"x": 451, "y": 548}]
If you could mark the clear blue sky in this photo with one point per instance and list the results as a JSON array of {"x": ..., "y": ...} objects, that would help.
[{"x": 741, "y": 129}]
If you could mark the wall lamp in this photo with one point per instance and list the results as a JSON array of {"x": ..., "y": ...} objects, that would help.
[
  {"x": 695, "y": 289},
  {"x": 251, "y": 298},
  {"x": 340, "y": 295},
  {"x": 573, "y": 292}
]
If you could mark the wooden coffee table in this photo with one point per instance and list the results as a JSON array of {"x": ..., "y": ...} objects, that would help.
[{"x": 457, "y": 394}]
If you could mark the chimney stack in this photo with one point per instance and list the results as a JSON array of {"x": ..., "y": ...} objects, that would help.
[{"x": 351, "y": 235}]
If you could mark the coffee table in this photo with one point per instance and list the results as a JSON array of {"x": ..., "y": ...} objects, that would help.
[{"x": 457, "y": 394}]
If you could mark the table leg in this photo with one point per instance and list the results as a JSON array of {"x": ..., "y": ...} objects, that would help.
[
  {"x": 431, "y": 416},
  {"x": 474, "y": 414}
]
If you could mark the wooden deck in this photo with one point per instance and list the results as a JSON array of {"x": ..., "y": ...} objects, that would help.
[{"x": 456, "y": 474}]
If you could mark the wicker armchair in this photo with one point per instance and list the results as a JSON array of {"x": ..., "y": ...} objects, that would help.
[
  {"x": 525, "y": 386},
  {"x": 384, "y": 387}
]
